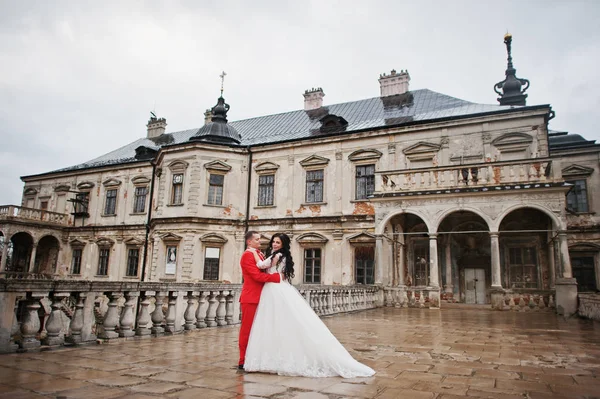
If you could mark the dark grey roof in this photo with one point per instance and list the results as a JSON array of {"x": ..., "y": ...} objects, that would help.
[
  {"x": 558, "y": 141},
  {"x": 378, "y": 112}
]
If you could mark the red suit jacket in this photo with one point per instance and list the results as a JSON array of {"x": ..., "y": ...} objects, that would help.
[{"x": 254, "y": 279}]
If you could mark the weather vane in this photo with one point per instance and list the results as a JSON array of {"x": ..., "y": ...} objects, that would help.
[{"x": 222, "y": 76}]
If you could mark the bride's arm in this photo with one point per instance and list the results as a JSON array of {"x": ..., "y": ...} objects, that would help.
[{"x": 262, "y": 264}]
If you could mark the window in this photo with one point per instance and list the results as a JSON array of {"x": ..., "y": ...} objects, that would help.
[
  {"x": 139, "y": 204},
  {"x": 133, "y": 261},
  {"x": 421, "y": 263},
  {"x": 171, "y": 263},
  {"x": 211, "y": 263},
  {"x": 312, "y": 265},
  {"x": 103, "y": 262},
  {"x": 522, "y": 267},
  {"x": 577, "y": 197},
  {"x": 365, "y": 181},
  {"x": 110, "y": 205},
  {"x": 81, "y": 203},
  {"x": 76, "y": 261},
  {"x": 266, "y": 187},
  {"x": 583, "y": 272},
  {"x": 44, "y": 205},
  {"x": 215, "y": 189},
  {"x": 364, "y": 261},
  {"x": 177, "y": 191},
  {"x": 314, "y": 185}
]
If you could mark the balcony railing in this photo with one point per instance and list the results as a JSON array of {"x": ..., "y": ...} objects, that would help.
[
  {"x": 8, "y": 212},
  {"x": 534, "y": 171},
  {"x": 55, "y": 313}
]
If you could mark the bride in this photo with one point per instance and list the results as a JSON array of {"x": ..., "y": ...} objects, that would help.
[{"x": 287, "y": 336}]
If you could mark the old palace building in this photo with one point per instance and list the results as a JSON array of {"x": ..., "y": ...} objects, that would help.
[{"x": 429, "y": 196}]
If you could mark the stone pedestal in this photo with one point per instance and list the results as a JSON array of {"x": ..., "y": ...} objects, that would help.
[
  {"x": 497, "y": 298},
  {"x": 566, "y": 296},
  {"x": 434, "y": 299}
]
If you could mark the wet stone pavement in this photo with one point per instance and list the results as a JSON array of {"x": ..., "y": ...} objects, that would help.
[{"x": 417, "y": 353}]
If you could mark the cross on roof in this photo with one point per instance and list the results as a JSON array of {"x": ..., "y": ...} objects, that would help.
[{"x": 222, "y": 76}]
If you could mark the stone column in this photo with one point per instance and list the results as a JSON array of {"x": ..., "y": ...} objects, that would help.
[
  {"x": 552, "y": 263},
  {"x": 401, "y": 263},
  {"x": 32, "y": 259},
  {"x": 379, "y": 260},
  {"x": 53, "y": 324},
  {"x": 495, "y": 253},
  {"x": 4, "y": 255},
  {"x": 111, "y": 318},
  {"x": 142, "y": 329},
  {"x": 566, "y": 285},
  {"x": 449, "y": 285},
  {"x": 433, "y": 261}
]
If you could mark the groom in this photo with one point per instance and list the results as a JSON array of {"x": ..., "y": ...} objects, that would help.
[{"x": 254, "y": 280}]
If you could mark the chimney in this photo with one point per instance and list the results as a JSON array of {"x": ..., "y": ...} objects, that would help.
[
  {"x": 207, "y": 116},
  {"x": 394, "y": 83},
  {"x": 313, "y": 98},
  {"x": 156, "y": 126}
]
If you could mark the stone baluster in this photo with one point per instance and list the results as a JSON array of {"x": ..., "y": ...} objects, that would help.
[
  {"x": 31, "y": 322},
  {"x": 54, "y": 324},
  {"x": 543, "y": 167},
  {"x": 229, "y": 308},
  {"x": 404, "y": 298},
  {"x": 144, "y": 319},
  {"x": 111, "y": 318},
  {"x": 127, "y": 318},
  {"x": 158, "y": 316},
  {"x": 481, "y": 175},
  {"x": 190, "y": 311},
  {"x": 490, "y": 175},
  {"x": 432, "y": 182},
  {"x": 541, "y": 304},
  {"x": 469, "y": 176},
  {"x": 15, "y": 327},
  {"x": 201, "y": 310},
  {"x": 221, "y": 310},
  {"x": 76, "y": 325},
  {"x": 170, "y": 327},
  {"x": 320, "y": 302},
  {"x": 532, "y": 173},
  {"x": 212, "y": 309},
  {"x": 502, "y": 174},
  {"x": 317, "y": 301}
]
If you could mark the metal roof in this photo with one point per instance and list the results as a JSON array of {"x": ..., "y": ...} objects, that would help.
[{"x": 378, "y": 112}]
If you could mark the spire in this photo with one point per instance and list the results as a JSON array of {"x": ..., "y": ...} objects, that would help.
[{"x": 511, "y": 93}]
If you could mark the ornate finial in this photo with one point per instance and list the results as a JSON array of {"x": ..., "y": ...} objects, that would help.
[
  {"x": 222, "y": 76},
  {"x": 511, "y": 93},
  {"x": 152, "y": 115}
]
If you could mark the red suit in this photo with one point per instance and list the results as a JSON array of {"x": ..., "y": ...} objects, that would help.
[{"x": 254, "y": 280}]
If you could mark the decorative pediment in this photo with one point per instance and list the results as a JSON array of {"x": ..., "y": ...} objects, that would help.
[
  {"x": 62, "y": 188},
  {"x": 264, "y": 241},
  {"x": 422, "y": 147},
  {"x": 512, "y": 142},
  {"x": 85, "y": 185},
  {"x": 105, "y": 242},
  {"x": 140, "y": 180},
  {"x": 308, "y": 239},
  {"x": 133, "y": 241},
  {"x": 77, "y": 243},
  {"x": 111, "y": 183},
  {"x": 213, "y": 238},
  {"x": 362, "y": 238},
  {"x": 577, "y": 170},
  {"x": 170, "y": 237},
  {"x": 314, "y": 160},
  {"x": 360, "y": 155},
  {"x": 30, "y": 191},
  {"x": 584, "y": 247},
  {"x": 266, "y": 168},
  {"x": 217, "y": 166},
  {"x": 178, "y": 165}
]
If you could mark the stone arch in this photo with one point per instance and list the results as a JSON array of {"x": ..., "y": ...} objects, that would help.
[
  {"x": 557, "y": 223},
  {"x": 475, "y": 211},
  {"x": 382, "y": 225},
  {"x": 20, "y": 247},
  {"x": 46, "y": 256}
]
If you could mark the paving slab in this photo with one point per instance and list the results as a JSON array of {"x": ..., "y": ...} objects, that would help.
[{"x": 418, "y": 353}]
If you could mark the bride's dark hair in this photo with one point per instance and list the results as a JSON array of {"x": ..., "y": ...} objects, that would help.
[{"x": 288, "y": 271}]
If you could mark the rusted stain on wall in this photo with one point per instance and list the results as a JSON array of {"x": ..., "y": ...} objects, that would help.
[
  {"x": 289, "y": 212},
  {"x": 253, "y": 217},
  {"x": 315, "y": 209},
  {"x": 301, "y": 209},
  {"x": 363, "y": 208},
  {"x": 227, "y": 210}
]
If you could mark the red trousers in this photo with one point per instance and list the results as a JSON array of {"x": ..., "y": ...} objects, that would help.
[{"x": 248, "y": 312}]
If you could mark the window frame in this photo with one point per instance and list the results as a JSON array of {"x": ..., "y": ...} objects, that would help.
[
  {"x": 314, "y": 182},
  {"x": 177, "y": 189},
  {"x": 103, "y": 250},
  {"x": 214, "y": 196},
  {"x": 265, "y": 186},
  {"x": 110, "y": 201},
  {"x": 366, "y": 275},
  {"x": 370, "y": 179},
  {"x": 211, "y": 273},
  {"x": 78, "y": 249},
  {"x": 580, "y": 195},
  {"x": 136, "y": 199},
  {"x": 129, "y": 258},
  {"x": 510, "y": 266},
  {"x": 312, "y": 259}
]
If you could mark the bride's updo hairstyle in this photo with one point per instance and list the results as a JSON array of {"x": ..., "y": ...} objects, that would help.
[{"x": 288, "y": 271}]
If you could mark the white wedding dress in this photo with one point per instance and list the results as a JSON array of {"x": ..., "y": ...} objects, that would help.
[{"x": 288, "y": 338}]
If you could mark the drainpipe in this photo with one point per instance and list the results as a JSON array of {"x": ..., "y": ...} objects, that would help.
[
  {"x": 248, "y": 191},
  {"x": 148, "y": 222}
]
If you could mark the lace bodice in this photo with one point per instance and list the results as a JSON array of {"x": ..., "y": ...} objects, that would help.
[{"x": 266, "y": 264}]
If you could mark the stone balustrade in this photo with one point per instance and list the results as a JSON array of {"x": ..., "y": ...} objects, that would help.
[
  {"x": 524, "y": 301},
  {"x": 57, "y": 312},
  {"x": 534, "y": 171},
  {"x": 412, "y": 297},
  {"x": 589, "y": 306},
  {"x": 18, "y": 212}
]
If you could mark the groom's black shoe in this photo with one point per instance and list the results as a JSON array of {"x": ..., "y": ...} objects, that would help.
[{"x": 240, "y": 366}]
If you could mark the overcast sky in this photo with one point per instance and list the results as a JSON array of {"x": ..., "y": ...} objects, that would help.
[{"x": 79, "y": 78}]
